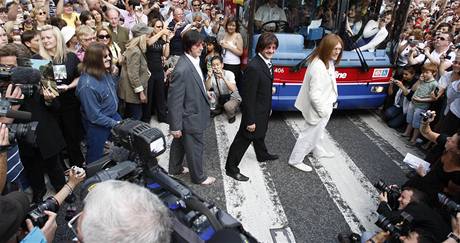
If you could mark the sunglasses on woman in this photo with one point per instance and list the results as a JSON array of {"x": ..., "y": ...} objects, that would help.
[
  {"x": 41, "y": 13},
  {"x": 101, "y": 37}
]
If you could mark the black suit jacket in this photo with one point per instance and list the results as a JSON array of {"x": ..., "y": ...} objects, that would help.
[
  {"x": 49, "y": 138},
  {"x": 257, "y": 97}
]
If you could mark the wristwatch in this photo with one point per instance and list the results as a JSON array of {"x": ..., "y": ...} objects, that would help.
[{"x": 454, "y": 237}]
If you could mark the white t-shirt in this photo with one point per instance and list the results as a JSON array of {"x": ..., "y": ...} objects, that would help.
[
  {"x": 266, "y": 13},
  {"x": 436, "y": 55}
]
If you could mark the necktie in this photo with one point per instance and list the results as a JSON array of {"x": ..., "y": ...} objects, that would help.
[{"x": 270, "y": 65}]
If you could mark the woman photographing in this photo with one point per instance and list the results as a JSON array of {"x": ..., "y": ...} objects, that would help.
[
  {"x": 316, "y": 99},
  {"x": 98, "y": 96}
]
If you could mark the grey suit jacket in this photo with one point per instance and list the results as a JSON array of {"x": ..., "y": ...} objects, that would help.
[{"x": 188, "y": 104}]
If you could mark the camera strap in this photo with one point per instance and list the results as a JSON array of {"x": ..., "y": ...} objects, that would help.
[
  {"x": 184, "y": 232},
  {"x": 217, "y": 83}
]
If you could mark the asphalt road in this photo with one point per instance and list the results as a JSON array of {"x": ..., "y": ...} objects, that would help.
[{"x": 281, "y": 204}]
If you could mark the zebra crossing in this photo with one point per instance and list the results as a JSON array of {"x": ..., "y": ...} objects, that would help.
[{"x": 281, "y": 204}]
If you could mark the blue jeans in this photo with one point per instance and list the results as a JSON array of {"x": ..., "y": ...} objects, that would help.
[
  {"x": 394, "y": 116},
  {"x": 133, "y": 111},
  {"x": 414, "y": 116},
  {"x": 96, "y": 136}
]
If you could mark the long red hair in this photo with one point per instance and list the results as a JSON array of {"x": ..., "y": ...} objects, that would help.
[{"x": 325, "y": 48}]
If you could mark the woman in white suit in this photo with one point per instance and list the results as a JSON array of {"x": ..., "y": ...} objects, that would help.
[{"x": 316, "y": 99}]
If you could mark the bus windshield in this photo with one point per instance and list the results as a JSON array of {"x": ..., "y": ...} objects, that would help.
[{"x": 367, "y": 24}]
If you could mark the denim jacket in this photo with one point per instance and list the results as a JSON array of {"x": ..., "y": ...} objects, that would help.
[{"x": 99, "y": 101}]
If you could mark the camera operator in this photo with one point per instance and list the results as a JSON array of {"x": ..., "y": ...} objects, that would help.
[
  {"x": 43, "y": 155},
  {"x": 14, "y": 208},
  {"x": 14, "y": 165},
  {"x": 444, "y": 175},
  {"x": 120, "y": 211},
  {"x": 424, "y": 217}
]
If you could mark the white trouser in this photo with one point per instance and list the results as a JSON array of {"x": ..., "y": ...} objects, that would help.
[{"x": 310, "y": 139}]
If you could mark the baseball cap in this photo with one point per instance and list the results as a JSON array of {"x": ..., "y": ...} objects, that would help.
[{"x": 14, "y": 207}]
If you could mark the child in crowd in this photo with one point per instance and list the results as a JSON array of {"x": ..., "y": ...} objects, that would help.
[{"x": 420, "y": 100}]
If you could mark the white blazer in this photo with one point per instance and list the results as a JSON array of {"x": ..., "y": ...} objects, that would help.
[{"x": 318, "y": 92}]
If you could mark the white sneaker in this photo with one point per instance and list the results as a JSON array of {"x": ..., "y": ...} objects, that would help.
[
  {"x": 302, "y": 167},
  {"x": 324, "y": 155}
]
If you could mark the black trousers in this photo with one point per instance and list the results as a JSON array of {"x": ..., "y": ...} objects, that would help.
[
  {"x": 72, "y": 129},
  {"x": 147, "y": 108},
  {"x": 161, "y": 107},
  {"x": 36, "y": 166},
  {"x": 238, "y": 148}
]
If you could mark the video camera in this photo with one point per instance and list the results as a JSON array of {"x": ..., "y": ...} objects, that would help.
[
  {"x": 141, "y": 144},
  {"x": 19, "y": 76},
  {"x": 399, "y": 226},
  {"x": 25, "y": 131},
  {"x": 393, "y": 193}
]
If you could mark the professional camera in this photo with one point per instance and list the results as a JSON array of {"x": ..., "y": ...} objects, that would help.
[
  {"x": 19, "y": 76},
  {"x": 136, "y": 162},
  {"x": 22, "y": 131},
  {"x": 426, "y": 115},
  {"x": 450, "y": 205},
  {"x": 393, "y": 193},
  {"x": 37, "y": 213},
  {"x": 399, "y": 226}
]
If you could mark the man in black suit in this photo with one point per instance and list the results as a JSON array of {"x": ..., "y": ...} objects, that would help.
[
  {"x": 189, "y": 112},
  {"x": 256, "y": 107}
]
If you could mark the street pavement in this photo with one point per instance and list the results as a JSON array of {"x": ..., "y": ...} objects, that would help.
[{"x": 282, "y": 204}]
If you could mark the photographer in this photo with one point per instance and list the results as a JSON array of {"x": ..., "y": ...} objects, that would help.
[
  {"x": 14, "y": 208},
  {"x": 444, "y": 175},
  {"x": 423, "y": 217},
  {"x": 222, "y": 83},
  {"x": 119, "y": 211}
]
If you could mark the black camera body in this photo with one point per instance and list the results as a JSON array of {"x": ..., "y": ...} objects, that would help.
[
  {"x": 397, "y": 227},
  {"x": 393, "y": 193},
  {"x": 23, "y": 131},
  {"x": 37, "y": 213}
]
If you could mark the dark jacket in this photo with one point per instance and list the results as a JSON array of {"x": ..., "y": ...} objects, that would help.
[
  {"x": 424, "y": 217},
  {"x": 50, "y": 140},
  {"x": 256, "y": 92}
]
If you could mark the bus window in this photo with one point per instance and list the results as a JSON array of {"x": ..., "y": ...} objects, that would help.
[
  {"x": 269, "y": 12},
  {"x": 369, "y": 24}
]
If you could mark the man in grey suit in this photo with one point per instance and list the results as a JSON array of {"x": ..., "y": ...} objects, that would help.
[{"x": 188, "y": 111}]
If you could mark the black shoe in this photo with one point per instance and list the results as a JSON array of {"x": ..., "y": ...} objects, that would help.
[
  {"x": 268, "y": 157},
  {"x": 349, "y": 238},
  {"x": 237, "y": 176},
  {"x": 231, "y": 120}
]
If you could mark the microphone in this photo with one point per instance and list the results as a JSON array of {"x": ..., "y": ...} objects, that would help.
[{"x": 25, "y": 75}]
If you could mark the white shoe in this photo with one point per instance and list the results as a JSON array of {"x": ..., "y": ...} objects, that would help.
[
  {"x": 302, "y": 167},
  {"x": 324, "y": 155}
]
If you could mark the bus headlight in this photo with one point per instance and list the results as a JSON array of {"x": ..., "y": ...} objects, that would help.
[{"x": 377, "y": 89}]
